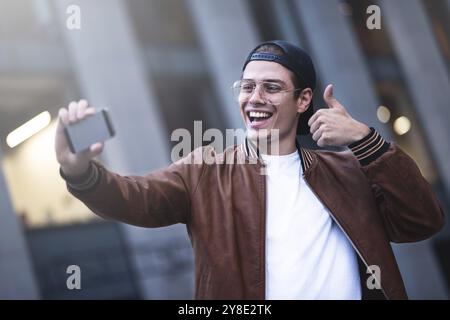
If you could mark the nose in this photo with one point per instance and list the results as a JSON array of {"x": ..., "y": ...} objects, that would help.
[{"x": 257, "y": 96}]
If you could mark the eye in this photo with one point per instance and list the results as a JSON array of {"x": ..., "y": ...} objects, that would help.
[
  {"x": 270, "y": 87},
  {"x": 247, "y": 87}
]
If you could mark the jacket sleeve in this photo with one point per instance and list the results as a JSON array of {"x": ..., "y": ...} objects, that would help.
[
  {"x": 158, "y": 199},
  {"x": 409, "y": 209}
]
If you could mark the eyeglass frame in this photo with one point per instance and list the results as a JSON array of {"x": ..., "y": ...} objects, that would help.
[{"x": 255, "y": 84}]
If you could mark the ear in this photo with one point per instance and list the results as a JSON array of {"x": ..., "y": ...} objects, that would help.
[{"x": 304, "y": 100}]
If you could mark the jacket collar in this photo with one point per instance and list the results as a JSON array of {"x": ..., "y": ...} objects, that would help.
[{"x": 307, "y": 157}]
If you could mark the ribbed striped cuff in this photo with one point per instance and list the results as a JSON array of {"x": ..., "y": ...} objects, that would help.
[
  {"x": 85, "y": 181},
  {"x": 369, "y": 148}
]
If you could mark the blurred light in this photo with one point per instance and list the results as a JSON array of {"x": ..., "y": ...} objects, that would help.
[
  {"x": 402, "y": 125},
  {"x": 383, "y": 114},
  {"x": 28, "y": 129},
  {"x": 346, "y": 8}
]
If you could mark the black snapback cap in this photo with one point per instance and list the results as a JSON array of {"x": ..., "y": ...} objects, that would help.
[{"x": 299, "y": 62}]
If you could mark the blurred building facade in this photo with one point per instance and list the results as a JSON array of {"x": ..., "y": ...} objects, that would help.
[{"x": 159, "y": 65}]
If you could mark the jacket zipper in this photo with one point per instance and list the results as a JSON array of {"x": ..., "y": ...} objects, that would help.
[
  {"x": 342, "y": 229},
  {"x": 264, "y": 213}
]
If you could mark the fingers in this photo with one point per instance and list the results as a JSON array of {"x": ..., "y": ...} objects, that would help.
[
  {"x": 320, "y": 116},
  {"x": 323, "y": 141},
  {"x": 93, "y": 151},
  {"x": 322, "y": 137},
  {"x": 63, "y": 115},
  {"x": 82, "y": 106},
  {"x": 328, "y": 93},
  {"x": 89, "y": 112},
  {"x": 72, "y": 111},
  {"x": 313, "y": 118},
  {"x": 96, "y": 149},
  {"x": 316, "y": 134},
  {"x": 315, "y": 125},
  {"x": 330, "y": 100},
  {"x": 320, "y": 126},
  {"x": 75, "y": 112}
]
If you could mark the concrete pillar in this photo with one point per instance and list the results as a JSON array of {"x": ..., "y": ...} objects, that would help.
[
  {"x": 17, "y": 279},
  {"x": 227, "y": 34},
  {"x": 287, "y": 26},
  {"x": 420, "y": 271},
  {"x": 338, "y": 59},
  {"x": 425, "y": 73},
  {"x": 448, "y": 6},
  {"x": 428, "y": 82},
  {"x": 108, "y": 66}
]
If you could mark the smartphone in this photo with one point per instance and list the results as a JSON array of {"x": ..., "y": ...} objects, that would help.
[{"x": 92, "y": 129}]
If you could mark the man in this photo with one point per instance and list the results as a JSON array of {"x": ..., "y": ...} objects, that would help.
[{"x": 310, "y": 228}]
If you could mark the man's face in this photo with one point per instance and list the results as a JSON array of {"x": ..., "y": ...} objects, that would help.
[{"x": 282, "y": 115}]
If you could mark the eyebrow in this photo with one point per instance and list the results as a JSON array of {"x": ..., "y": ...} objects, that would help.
[{"x": 268, "y": 80}]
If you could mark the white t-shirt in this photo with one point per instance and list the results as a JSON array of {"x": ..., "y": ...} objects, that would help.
[{"x": 307, "y": 254}]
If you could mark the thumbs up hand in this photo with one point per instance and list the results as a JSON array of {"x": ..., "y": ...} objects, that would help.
[{"x": 333, "y": 126}]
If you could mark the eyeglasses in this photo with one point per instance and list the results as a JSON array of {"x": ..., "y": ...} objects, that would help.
[{"x": 271, "y": 93}]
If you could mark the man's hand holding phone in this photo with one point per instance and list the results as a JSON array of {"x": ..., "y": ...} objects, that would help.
[{"x": 74, "y": 164}]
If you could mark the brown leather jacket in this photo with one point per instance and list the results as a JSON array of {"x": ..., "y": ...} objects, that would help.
[{"x": 223, "y": 207}]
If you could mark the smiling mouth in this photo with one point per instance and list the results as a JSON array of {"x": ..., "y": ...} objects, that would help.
[{"x": 258, "y": 116}]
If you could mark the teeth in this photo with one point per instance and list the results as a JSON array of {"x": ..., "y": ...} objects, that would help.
[{"x": 254, "y": 114}]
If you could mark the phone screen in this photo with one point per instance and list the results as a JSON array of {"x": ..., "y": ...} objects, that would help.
[{"x": 90, "y": 130}]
